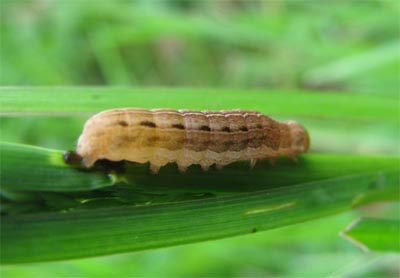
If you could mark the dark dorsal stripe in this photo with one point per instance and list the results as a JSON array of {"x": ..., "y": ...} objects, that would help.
[
  {"x": 205, "y": 128},
  {"x": 148, "y": 124},
  {"x": 178, "y": 126},
  {"x": 122, "y": 123}
]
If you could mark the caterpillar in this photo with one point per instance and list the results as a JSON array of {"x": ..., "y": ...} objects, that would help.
[{"x": 187, "y": 137}]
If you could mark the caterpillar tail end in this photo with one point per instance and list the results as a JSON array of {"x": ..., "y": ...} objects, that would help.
[{"x": 300, "y": 139}]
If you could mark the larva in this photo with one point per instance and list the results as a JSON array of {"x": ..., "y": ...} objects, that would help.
[{"x": 187, "y": 137}]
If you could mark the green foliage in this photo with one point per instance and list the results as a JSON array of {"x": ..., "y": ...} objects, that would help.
[
  {"x": 375, "y": 234},
  {"x": 27, "y": 168},
  {"x": 276, "y": 44},
  {"x": 284, "y": 252},
  {"x": 282, "y": 51},
  {"x": 263, "y": 198},
  {"x": 138, "y": 228},
  {"x": 39, "y": 100},
  {"x": 32, "y": 169}
]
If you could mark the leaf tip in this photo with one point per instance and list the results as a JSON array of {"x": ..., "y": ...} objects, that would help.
[{"x": 344, "y": 234}]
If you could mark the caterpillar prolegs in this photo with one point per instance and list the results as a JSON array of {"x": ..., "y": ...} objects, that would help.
[{"x": 187, "y": 137}]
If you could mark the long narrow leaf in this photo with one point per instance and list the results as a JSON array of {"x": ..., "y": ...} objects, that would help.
[
  {"x": 41, "y": 100},
  {"x": 43, "y": 237},
  {"x": 39, "y": 169}
]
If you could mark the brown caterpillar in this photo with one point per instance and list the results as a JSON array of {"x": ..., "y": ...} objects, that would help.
[{"x": 187, "y": 137}]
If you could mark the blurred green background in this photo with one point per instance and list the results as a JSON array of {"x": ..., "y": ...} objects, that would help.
[{"x": 335, "y": 46}]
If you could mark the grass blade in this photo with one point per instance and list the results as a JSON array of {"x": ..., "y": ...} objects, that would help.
[
  {"x": 56, "y": 236},
  {"x": 38, "y": 169},
  {"x": 372, "y": 234},
  {"x": 32, "y": 168},
  {"x": 238, "y": 177},
  {"x": 40, "y": 100}
]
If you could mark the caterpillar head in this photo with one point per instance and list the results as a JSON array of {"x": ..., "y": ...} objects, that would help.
[{"x": 300, "y": 140}]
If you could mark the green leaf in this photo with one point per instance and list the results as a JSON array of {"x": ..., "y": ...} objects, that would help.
[
  {"x": 38, "y": 169},
  {"x": 32, "y": 168},
  {"x": 19, "y": 100},
  {"x": 371, "y": 234},
  {"x": 56, "y": 236},
  {"x": 238, "y": 177}
]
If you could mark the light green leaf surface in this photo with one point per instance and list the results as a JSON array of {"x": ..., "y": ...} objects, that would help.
[
  {"x": 372, "y": 234},
  {"x": 41, "y": 100}
]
